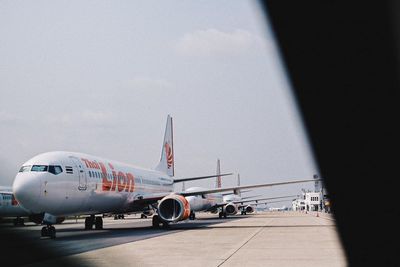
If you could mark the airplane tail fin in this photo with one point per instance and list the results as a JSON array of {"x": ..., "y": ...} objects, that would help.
[
  {"x": 218, "y": 179},
  {"x": 238, "y": 183},
  {"x": 166, "y": 164}
]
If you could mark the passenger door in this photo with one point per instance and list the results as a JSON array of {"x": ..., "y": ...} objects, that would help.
[{"x": 81, "y": 173}]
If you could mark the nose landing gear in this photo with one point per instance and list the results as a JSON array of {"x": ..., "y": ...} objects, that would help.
[
  {"x": 49, "y": 231},
  {"x": 18, "y": 221}
]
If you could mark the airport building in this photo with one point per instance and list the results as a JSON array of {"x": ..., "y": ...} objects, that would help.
[
  {"x": 298, "y": 204},
  {"x": 309, "y": 201}
]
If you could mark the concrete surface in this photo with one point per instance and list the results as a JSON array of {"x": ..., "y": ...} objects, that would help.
[{"x": 264, "y": 239}]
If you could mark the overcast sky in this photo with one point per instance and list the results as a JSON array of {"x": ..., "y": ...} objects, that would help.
[{"x": 100, "y": 77}]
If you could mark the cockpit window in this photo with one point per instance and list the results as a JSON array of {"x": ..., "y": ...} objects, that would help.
[
  {"x": 25, "y": 168},
  {"x": 55, "y": 169},
  {"x": 39, "y": 168}
]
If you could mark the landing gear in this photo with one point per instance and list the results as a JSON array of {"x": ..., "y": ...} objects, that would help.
[
  {"x": 143, "y": 216},
  {"x": 243, "y": 212},
  {"x": 98, "y": 224},
  {"x": 49, "y": 231},
  {"x": 222, "y": 214},
  {"x": 89, "y": 221},
  {"x": 165, "y": 225},
  {"x": 92, "y": 220},
  {"x": 119, "y": 216},
  {"x": 192, "y": 216},
  {"x": 18, "y": 221},
  {"x": 155, "y": 221}
]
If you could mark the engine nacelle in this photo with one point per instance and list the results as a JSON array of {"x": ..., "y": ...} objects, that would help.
[
  {"x": 214, "y": 210},
  {"x": 174, "y": 208},
  {"x": 60, "y": 220},
  {"x": 148, "y": 212},
  {"x": 249, "y": 209},
  {"x": 231, "y": 209}
]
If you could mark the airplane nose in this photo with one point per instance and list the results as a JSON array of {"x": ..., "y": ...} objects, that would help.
[{"x": 26, "y": 190}]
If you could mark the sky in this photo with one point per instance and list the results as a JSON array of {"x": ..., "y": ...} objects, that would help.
[{"x": 100, "y": 77}]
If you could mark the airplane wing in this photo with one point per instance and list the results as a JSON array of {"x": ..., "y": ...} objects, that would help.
[
  {"x": 258, "y": 199},
  {"x": 250, "y": 197},
  {"x": 199, "y": 177},
  {"x": 269, "y": 202},
  {"x": 234, "y": 188},
  {"x": 231, "y": 193}
]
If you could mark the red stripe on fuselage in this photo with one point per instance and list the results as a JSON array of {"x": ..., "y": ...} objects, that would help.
[{"x": 121, "y": 181}]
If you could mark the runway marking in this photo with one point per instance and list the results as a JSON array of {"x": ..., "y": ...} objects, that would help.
[{"x": 247, "y": 241}]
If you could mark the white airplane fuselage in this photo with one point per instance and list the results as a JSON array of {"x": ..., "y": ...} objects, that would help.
[
  {"x": 233, "y": 204},
  {"x": 85, "y": 184},
  {"x": 203, "y": 202},
  {"x": 10, "y": 207},
  {"x": 232, "y": 198}
]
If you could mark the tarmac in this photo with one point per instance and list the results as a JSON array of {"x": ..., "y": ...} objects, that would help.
[{"x": 285, "y": 238}]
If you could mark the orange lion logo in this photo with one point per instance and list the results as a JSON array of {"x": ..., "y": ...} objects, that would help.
[{"x": 170, "y": 156}]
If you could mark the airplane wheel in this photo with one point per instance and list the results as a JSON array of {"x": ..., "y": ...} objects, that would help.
[
  {"x": 115, "y": 217},
  {"x": 224, "y": 215},
  {"x": 98, "y": 223},
  {"x": 220, "y": 215},
  {"x": 88, "y": 223},
  {"x": 52, "y": 232},
  {"x": 143, "y": 216},
  {"x": 165, "y": 225},
  {"x": 155, "y": 221},
  {"x": 44, "y": 232},
  {"x": 192, "y": 216}
]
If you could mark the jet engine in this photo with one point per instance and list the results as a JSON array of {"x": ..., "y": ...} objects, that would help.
[
  {"x": 231, "y": 209},
  {"x": 174, "y": 208},
  {"x": 249, "y": 209},
  {"x": 60, "y": 220},
  {"x": 214, "y": 210}
]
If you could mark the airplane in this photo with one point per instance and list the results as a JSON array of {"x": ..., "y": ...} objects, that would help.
[
  {"x": 11, "y": 208},
  {"x": 64, "y": 183},
  {"x": 266, "y": 205},
  {"x": 249, "y": 208},
  {"x": 235, "y": 202},
  {"x": 211, "y": 202},
  {"x": 283, "y": 208}
]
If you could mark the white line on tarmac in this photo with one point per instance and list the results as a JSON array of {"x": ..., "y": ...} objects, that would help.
[{"x": 243, "y": 244}]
